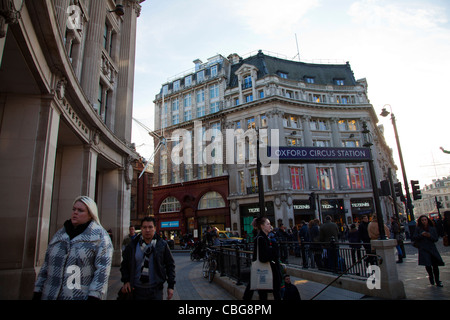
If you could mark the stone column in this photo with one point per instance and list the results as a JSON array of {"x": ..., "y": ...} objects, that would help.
[
  {"x": 308, "y": 142},
  {"x": 390, "y": 286},
  {"x": 61, "y": 14},
  {"x": 90, "y": 75},
  {"x": 125, "y": 84},
  {"x": 341, "y": 174}
]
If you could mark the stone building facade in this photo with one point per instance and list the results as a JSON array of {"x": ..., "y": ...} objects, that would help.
[
  {"x": 309, "y": 105},
  {"x": 66, "y": 95}
]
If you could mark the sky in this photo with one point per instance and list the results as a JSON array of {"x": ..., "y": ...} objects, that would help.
[{"x": 401, "y": 47}]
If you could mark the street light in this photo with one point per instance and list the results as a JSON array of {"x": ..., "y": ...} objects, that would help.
[
  {"x": 409, "y": 207},
  {"x": 376, "y": 197}
]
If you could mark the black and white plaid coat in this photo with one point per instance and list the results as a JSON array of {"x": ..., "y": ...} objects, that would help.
[{"x": 78, "y": 268}]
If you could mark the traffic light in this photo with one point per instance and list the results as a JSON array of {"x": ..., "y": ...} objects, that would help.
[
  {"x": 398, "y": 189},
  {"x": 385, "y": 188},
  {"x": 416, "y": 190}
]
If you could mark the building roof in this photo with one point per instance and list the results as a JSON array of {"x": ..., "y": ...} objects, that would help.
[{"x": 321, "y": 73}]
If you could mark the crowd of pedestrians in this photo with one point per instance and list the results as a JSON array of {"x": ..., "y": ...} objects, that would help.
[{"x": 79, "y": 256}]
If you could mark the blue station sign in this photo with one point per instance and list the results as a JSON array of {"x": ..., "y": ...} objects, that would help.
[
  {"x": 319, "y": 154},
  {"x": 170, "y": 224}
]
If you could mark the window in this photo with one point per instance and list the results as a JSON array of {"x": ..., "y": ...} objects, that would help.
[
  {"x": 247, "y": 82},
  {"x": 309, "y": 79},
  {"x": 188, "y": 174},
  {"x": 216, "y": 170},
  {"x": 170, "y": 204},
  {"x": 297, "y": 178},
  {"x": 236, "y": 101},
  {"x": 350, "y": 143},
  {"x": 355, "y": 178},
  {"x": 187, "y": 81},
  {"x": 291, "y": 122},
  {"x": 175, "y": 105},
  {"x": 214, "y": 107},
  {"x": 211, "y": 200},
  {"x": 176, "y": 85},
  {"x": 261, "y": 94},
  {"x": 241, "y": 182},
  {"x": 200, "y": 96},
  {"x": 214, "y": 71},
  {"x": 282, "y": 74},
  {"x": 214, "y": 91},
  {"x": 317, "y": 98},
  {"x": 251, "y": 124},
  {"x": 321, "y": 143},
  {"x": 165, "y": 90},
  {"x": 325, "y": 180},
  {"x": 290, "y": 141},
  {"x": 187, "y": 100},
  {"x": 105, "y": 37},
  {"x": 249, "y": 98},
  {"x": 339, "y": 82},
  {"x": 319, "y": 125},
  {"x": 201, "y": 76},
  {"x": 263, "y": 121},
  {"x": 187, "y": 115},
  {"x": 163, "y": 169},
  {"x": 100, "y": 98},
  {"x": 202, "y": 172},
  {"x": 253, "y": 179},
  {"x": 200, "y": 111},
  {"x": 347, "y": 125},
  {"x": 237, "y": 125},
  {"x": 175, "y": 119}
]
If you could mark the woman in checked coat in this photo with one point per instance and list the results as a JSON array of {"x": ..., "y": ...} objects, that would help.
[{"x": 78, "y": 259}]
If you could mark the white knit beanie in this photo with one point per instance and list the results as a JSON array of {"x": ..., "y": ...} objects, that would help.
[{"x": 91, "y": 205}]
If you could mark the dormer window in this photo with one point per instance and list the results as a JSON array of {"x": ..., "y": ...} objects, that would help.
[
  {"x": 309, "y": 79},
  {"x": 201, "y": 76},
  {"x": 176, "y": 85},
  {"x": 282, "y": 74},
  {"x": 247, "y": 82}
]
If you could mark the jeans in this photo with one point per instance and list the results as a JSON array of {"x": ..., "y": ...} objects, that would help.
[{"x": 152, "y": 293}]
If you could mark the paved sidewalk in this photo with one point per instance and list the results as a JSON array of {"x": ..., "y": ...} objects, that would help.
[{"x": 192, "y": 286}]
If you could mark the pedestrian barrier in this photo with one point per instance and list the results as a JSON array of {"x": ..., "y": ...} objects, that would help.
[{"x": 330, "y": 257}]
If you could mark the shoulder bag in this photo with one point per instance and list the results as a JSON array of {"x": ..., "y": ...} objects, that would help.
[{"x": 261, "y": 277}]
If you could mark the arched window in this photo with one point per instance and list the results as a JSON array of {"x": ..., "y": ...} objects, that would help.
[
  {"x": 211, "y": 200},
  {"x": 170, "y": 204}
]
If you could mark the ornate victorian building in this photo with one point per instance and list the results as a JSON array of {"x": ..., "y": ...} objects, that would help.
[
  {"x": 309, "y": 105},
  {"x": 66, "y": 95}
]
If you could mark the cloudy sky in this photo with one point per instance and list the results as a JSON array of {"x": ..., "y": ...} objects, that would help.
[{"x": 402, "y": 48}]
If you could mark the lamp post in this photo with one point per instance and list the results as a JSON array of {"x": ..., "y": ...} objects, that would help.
[
  {"x": 262, "y": 206},
  {"x": 409, "y": 207},
  {"x": 368, "y": 143}
]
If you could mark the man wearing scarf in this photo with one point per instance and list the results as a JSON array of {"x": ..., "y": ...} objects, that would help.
[{"x": 147, "y": 263}]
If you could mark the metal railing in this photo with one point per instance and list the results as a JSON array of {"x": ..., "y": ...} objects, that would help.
[{"x": 335, "y": 257}]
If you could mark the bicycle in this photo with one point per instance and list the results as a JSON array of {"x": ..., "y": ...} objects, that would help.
[{"x": 209, "y": 265}]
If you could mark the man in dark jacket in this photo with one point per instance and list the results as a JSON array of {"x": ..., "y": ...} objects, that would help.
[
  {"x": 148, "y": 263},
  {"x": 365, "y": 238},
  {"x": 290, "y": 290}
]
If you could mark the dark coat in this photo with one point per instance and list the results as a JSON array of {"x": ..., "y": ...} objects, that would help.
[
  {"x": 428, "y": 252},
  {"x": 327, "y": 230},
  {"x": 291, "y": 292},
  {"x": 163, "y": 263}
]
